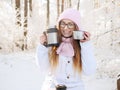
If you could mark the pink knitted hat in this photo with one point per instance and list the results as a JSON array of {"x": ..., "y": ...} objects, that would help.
[{"x": 71, "y": 14}]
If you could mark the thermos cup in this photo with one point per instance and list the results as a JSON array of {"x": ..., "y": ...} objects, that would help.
[
  {"x": 78, "y": 35},
  {"x": 52, "y": 37}
]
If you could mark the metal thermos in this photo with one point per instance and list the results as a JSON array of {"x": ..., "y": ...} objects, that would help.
[
  {"x": 52, "y": 37},
  {"x": 78, "y": 35}
]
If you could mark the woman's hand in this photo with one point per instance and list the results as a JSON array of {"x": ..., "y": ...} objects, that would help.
[
  {"x": 86, "y": 37},
  {"x": 43, "y": 39}
]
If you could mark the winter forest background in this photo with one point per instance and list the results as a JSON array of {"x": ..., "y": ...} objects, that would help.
[{"x": 22, "y": 22}]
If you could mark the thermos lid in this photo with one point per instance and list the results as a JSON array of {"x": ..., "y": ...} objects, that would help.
[{"x": 52, "y": 29}]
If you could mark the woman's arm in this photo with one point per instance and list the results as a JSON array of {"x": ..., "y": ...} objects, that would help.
[
  {"x": 88, "y": 59},
  {"x": 42, "y": 58}
]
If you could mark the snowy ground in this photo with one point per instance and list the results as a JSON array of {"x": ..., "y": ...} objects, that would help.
[{"x": 18, "y": 71}]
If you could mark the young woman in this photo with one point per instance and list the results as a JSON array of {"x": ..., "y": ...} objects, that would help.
[{"x": 66, "y": 63}]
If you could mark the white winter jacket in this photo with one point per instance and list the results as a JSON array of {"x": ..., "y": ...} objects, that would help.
[{"x": 65, "y": 73}]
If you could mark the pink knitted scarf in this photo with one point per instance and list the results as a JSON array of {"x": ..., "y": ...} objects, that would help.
[{"x": 66, "y": 47}]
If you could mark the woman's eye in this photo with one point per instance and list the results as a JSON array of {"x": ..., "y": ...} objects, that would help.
[{"x": 70, "y": 24}]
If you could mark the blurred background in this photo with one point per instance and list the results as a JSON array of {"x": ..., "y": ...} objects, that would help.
[{"x": 22, "y": 22}]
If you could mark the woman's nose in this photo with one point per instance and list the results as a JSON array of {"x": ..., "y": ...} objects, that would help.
[{"x": 66, "y": 27}]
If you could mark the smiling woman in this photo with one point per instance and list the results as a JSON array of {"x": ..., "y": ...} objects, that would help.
[{"x": 67, "y": 62}]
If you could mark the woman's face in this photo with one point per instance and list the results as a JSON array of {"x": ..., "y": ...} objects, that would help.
[{"x": 66, "y": 27}]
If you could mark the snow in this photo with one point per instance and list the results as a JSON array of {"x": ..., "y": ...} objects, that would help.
[{"x": 18, "y": 71}]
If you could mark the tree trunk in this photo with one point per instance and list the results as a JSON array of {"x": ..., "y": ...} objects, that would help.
[
  {"x": 70, "y": 5},
  {"x": 24, "y": 46},
  {"x": 30, "y": 7},
  {"x": 18, "y": 14},
  {"x": 62, "y": 6},
  {"x": 58, "y": 9},
  {"x": 48, "y": 14},
  {"x": 78, "y": 5}
]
